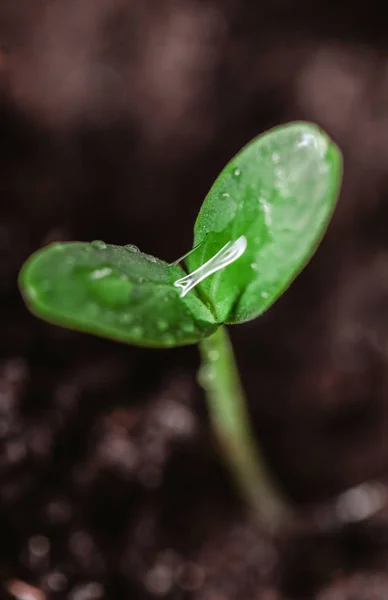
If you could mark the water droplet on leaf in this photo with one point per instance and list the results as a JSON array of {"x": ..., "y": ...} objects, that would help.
[
  {"x": 214, "y": 354},
  {"x": 279, "y": 172},
  {"x": 131, "y": 248},
  {"x": 237, "y": 172},
  {"x": 266, "y": 208},
  {"x": 162, "y": 324},
  {"x": 99, "y": 245},
  {"x": 100, "y": 273},
  {"x": 137, "y": 332},
  {"x": 126, "y": 318},
  {"x": 206, "y": 376},
  {"x": 57, "y": 246},
  {"x": 168, "y": 339},
  {"x": 264, "y": 152},
  {"x": 105, "y": 285}
]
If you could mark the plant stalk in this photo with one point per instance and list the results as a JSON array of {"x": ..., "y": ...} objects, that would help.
[{"x": 229, "y": 417}]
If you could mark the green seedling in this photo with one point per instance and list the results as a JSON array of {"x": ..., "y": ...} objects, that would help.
[{"x": 258, "y": 227}]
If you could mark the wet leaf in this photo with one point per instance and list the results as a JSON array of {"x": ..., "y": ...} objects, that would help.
[
  {"x": 113, "y": 291},
  {"x": 279, "y": 192}
]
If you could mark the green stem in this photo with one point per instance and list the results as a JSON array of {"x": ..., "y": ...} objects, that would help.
[{"x": 230, "y": 420}]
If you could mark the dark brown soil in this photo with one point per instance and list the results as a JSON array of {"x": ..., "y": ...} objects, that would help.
[{"x": 115, "y": 117}]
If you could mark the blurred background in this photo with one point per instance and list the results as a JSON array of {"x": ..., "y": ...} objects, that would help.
[{"x": 115, "y": 118}]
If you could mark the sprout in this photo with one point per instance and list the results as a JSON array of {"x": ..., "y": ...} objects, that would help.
[{"x": 257, "y": 228}]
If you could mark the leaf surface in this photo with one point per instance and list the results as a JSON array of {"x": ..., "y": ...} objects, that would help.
[
  {"x": 113, "y": 291},
  {"x": 279, "y": 192}
]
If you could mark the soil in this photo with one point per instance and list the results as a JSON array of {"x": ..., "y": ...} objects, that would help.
[{"x": 115, "y": 117}]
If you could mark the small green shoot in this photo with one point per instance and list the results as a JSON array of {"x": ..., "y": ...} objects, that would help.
[{"x": 258, "y": 227}]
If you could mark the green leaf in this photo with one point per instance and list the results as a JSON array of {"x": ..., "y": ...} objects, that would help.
[
  {"x": 279, "y": 192},
  {"x": 113, "y": 291}
]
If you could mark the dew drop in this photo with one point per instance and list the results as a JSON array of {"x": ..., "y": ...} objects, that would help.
[
  {"x": 100, "y": 273},
  {"x": 279, "y": 172},
  {"x": 264, "y": 152},
  {"x": 226, "y": 195},
  {"x": 162, "y": 324},
  {"x": 105, "y": 285},
  {"x": 237, "y": 172},
  {"x": 32, "y": 292},
  {"x": 168, "y": 339},
  {"x": 264, "y": 294},
  {"x": 254, "y": 266},
  {"x": 126, "y": 318},
  {"x": 99, "y": 245},
  {"x": 137, "y": 332},
  {"x": 206, "y": 376},
  {"x": 187, "y": 326},
  {"x": 131, "y": 248},
  {"x": 275, "y": 157},
  {"x": 266, "y": 208},
  {"x": 307, "y": 141},
  {"x": 57, "y": 246}
]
